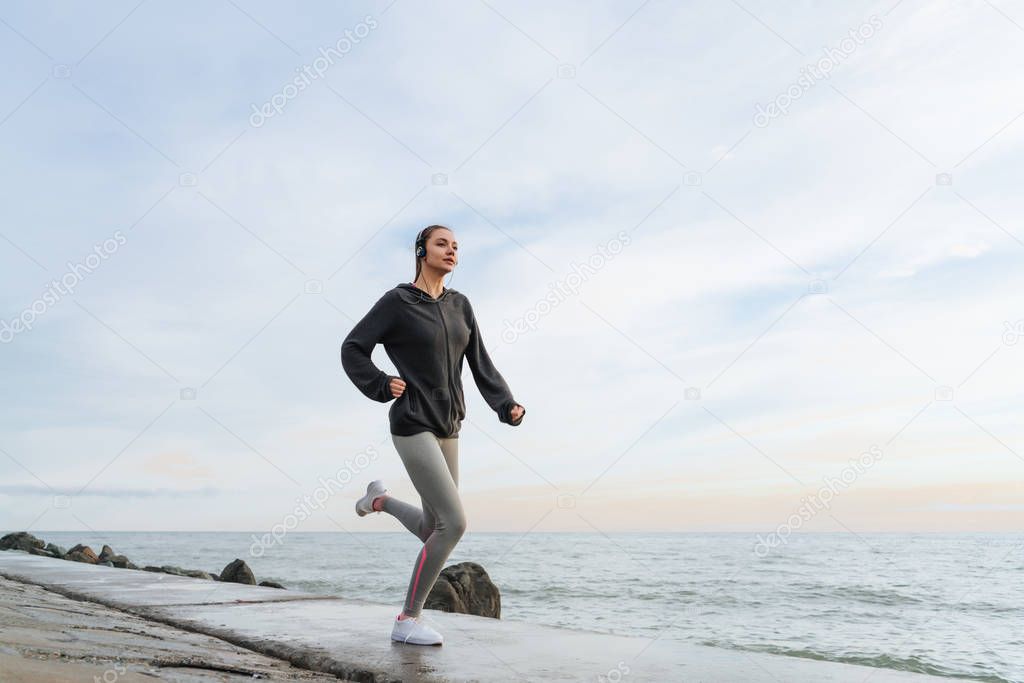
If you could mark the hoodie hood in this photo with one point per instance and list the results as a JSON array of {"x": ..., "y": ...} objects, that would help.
[{"x": 411, "y": 294}]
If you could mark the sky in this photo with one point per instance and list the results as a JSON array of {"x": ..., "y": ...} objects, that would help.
[{"x": 748, "y": 266}]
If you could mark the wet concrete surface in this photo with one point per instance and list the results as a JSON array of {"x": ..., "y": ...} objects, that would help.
[
  {"x": 46, "y": 637},
  {"x": 350, "y": 638}
]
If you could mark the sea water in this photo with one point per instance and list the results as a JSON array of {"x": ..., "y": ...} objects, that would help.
[{"x": 944, "y": 604}]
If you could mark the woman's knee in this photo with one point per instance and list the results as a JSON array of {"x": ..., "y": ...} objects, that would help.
[
  {"x": 453, "y": 524},
  {"x": 458, "y": 524}
]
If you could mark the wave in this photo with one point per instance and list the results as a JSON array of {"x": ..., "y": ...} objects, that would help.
[
  {"x": 874, "y": 595},
  {"x": 878, "y": 596},
  {"x": 882, "y": 661}
]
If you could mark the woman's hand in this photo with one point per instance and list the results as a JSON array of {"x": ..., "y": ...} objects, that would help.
[
  {"x": 516, "y": 412},
  {"x": 397, "y": 387}
]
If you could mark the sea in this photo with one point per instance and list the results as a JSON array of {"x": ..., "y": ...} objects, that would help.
[{"x": 948, "y": 605}]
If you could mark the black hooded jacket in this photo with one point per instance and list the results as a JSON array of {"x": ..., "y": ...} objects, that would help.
[{"x": 426, "y": 339}]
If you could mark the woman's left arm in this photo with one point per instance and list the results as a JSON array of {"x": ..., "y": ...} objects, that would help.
[{"x": 488, "y": 380}]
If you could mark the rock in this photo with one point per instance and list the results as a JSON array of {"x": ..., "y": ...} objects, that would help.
[
  {"x": 118, "y": 561},
  {"x": 238, "y": 572},
  {"x": 82, "y": 553},
  {"x": 151, "y": 568},
  {"x": 56, "y": 550},
  {"x": 272, "y": 584},
  {"x": 171, "y": 569},
  {"x": 108, "y": 555},
  {"x": 20, "y": 540},
  {"x": 465, "y": 588},
  {"x": 198, "y": 574},
  {"x": 215, "y": 575},
  {"x": 41, "y": 551}
]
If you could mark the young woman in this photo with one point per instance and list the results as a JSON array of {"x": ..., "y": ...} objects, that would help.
[{"x": 426, "y": 330}]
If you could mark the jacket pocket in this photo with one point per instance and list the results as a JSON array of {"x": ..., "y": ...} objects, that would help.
[{"x": 411, "y": 398}]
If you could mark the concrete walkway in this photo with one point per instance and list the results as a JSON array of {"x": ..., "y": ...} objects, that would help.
[
  {"x": 46, "y": 637},
  {"x": 350, "y": 638}
]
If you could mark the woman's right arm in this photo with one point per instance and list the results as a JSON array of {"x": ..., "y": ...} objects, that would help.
[{"x": 373, "y": 329}]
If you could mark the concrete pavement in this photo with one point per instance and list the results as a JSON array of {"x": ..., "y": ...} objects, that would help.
[{"x": 350, "y": 638}]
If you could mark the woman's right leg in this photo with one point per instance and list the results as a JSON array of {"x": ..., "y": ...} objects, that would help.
[
  {"x": 419, "y": 521},
  {"x": 433, "y": 472}
]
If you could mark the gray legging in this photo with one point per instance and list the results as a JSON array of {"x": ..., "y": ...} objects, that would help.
[{"x": 433, "y": 467}]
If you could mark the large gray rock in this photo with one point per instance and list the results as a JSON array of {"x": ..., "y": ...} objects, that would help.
[
  {"x": 465, "y": 588},
  {"x": 238, "y": 572},
  {"x": 20, "y": 540}
]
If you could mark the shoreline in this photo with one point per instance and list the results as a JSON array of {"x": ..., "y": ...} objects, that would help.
[{"x": 349, "y": 638}]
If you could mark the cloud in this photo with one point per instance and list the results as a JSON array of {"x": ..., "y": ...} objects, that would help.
[
  {"x": 175, "y": 466},
  {"x": 28, "y": 490},
  {"x": 816, "y": 281}
]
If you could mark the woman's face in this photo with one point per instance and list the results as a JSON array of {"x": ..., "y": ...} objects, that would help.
[{"x": 442, "y": 250}]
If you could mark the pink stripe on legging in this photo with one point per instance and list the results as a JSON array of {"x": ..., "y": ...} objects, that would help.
[{"x": 416, "y": 581}]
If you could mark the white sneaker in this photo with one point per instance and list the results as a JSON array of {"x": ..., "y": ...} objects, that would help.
[
  {"x": 364, "y": 505},
  {"x": 414, "y": 632}
]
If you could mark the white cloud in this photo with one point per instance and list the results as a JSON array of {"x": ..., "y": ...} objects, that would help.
[{"x": 838, "y": 191}]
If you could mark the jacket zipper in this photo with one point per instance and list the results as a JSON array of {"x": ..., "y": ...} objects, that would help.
[{"x": 448, "y": 371}]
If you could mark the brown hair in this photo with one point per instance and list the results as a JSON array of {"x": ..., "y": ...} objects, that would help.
[{"x": 424, "y": 235}]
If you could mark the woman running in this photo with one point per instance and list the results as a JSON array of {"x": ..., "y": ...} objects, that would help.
[{"x": 426, "y": 329}]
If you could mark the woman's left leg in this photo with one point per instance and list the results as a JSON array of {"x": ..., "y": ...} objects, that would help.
[{"x": 432, "y": 464}]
